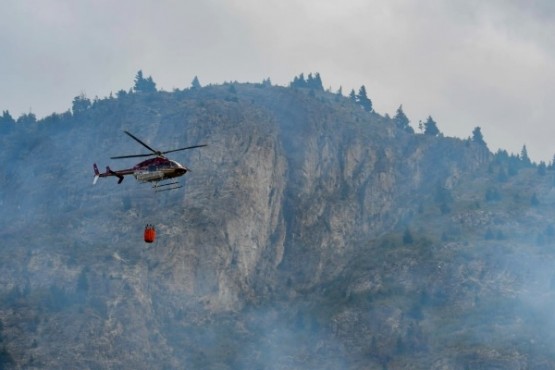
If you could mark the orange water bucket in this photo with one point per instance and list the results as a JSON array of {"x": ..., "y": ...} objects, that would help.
[{"x": 150, "y": 234}]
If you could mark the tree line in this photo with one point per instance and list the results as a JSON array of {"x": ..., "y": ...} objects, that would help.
[{"x": 313, "y": 82}]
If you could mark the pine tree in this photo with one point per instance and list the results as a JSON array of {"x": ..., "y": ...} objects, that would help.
[
  {"x": 195, "y": 84},
  {"x": 6, "y": 118},
  {"x": 401, "y": 120},
  {"x": 145, "y": 85},
  {"x": 477, "y": 136},
  {"x": 27, "y": 118},
  {"x": 353, "y": 96},
  {"x": 310, "y": 81},
  {"x": 121, "y": 94},
  {"x": 363, "y": 100},
  {"x": 299, "y": 82},
  {"x": 524, "y": 156},
  {"x": 80, "y": 104},
  {"x": 139, "y": 76},
  {"x": 6, "y": 122},
  {"x": 315, "y": 82},
  {"x": 430, "y": 127}
]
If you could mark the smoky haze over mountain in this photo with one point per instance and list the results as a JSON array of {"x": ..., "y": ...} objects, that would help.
[{"x": 310, "y": 233}]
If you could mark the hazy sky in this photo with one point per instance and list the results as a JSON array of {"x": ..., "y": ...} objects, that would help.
[{"x": 466, "y": 63}]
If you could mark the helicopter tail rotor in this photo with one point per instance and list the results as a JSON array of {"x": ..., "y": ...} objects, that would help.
[{"x": 96, "y": 174}]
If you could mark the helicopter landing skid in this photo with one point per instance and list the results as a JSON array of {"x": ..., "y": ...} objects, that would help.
[{"x": 157, "y": 187}]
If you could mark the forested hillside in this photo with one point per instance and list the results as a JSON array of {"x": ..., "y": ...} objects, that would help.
[{"x": 312, "y": 232}]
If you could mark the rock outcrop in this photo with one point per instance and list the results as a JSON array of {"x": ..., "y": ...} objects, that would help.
[{"x": 309, "y": 234}]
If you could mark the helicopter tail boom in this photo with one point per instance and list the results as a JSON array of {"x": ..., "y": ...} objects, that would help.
[{"x": 109, "y": 172}]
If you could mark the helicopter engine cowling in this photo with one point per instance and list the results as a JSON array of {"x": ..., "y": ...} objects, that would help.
[{"x": 145, "y": 176}]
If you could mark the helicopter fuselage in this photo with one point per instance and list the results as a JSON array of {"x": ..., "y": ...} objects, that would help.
[
  {"x": 158, "y": 169},
  {"x": 152, "y": 170}
]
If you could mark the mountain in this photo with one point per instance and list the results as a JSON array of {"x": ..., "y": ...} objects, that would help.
[{"x": 309, "y": 234}]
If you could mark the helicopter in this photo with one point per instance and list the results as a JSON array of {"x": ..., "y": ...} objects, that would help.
[{"x": 155, "y": 170}]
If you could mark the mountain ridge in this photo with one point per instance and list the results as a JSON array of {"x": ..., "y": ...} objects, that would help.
[{"x": 310, "y": 233}]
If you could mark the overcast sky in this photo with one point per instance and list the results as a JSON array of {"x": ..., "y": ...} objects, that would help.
[{"x": 466, "y": 63}]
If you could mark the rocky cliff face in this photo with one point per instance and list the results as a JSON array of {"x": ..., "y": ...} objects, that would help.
[{"x": 309, "y": 234}]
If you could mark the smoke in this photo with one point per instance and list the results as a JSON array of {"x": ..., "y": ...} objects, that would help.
[{"x": 391, "y": 256}]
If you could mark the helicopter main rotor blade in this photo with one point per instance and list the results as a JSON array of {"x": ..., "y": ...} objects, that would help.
[
  {"x": 188, "y": 147},
  {"x": 140, "y": 142},
  {"x": 132, "y": 156}
]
